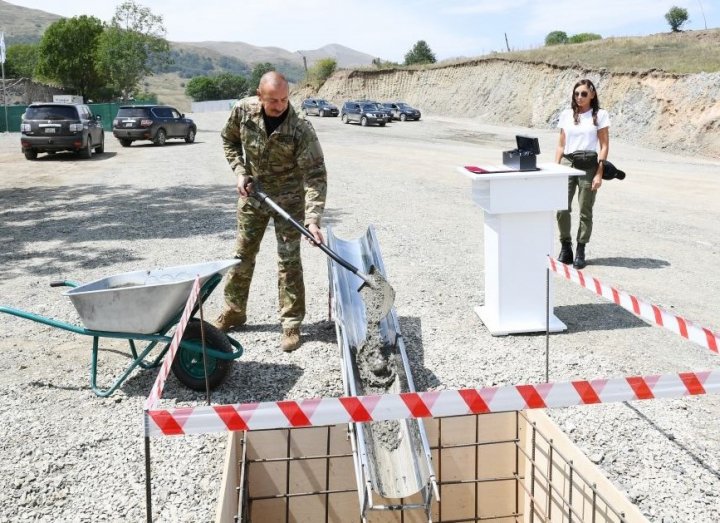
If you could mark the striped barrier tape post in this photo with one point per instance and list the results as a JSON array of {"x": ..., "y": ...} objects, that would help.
[
  {"x": 159, "y": 385},
  {"x": 647, "y": 311},
  {"x": 332, "y": 411}
]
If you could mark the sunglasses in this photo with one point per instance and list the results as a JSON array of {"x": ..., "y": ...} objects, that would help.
[{"x": 582, "y": 94}]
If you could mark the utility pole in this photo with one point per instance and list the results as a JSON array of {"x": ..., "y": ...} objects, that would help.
[
  {"x": 304, "y": 61},
  {"x": 702, "y": 11},
  {"x": 507, "y": 44}
]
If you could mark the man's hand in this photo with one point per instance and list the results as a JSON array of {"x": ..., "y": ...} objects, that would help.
[
  {"x": 244, "y": 185},
  {"x": 597, "y": 182},
  {"x": 317, "y": 234}
]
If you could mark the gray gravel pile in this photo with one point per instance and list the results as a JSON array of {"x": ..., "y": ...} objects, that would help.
[{"x": 68, "y": 455}]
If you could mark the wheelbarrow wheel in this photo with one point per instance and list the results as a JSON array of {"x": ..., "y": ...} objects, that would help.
[{"x": 189, "y": 367}]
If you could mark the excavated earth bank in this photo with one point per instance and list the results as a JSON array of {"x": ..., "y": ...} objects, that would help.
[{"x": 677, "y": 113}]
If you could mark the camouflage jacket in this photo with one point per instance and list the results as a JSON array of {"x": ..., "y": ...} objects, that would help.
[{"x": 290, "y": 160}]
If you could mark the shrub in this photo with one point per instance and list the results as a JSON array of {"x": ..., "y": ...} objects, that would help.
[
  {"x": 583, "y": 37},
  {"x": 556, "y": 38}
]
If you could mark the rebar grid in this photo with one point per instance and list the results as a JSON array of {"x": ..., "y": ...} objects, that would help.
[{"x": 534, "y": 470}]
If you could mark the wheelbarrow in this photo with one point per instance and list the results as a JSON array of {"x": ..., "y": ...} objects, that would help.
[{"x": 144, "y": 306}]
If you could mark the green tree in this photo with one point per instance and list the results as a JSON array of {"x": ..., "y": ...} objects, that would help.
[
  {"x": 21, "y": 60},
  {"x": 131, "y": 47},
  {"x": 583, "y": 37},
  {"x": 202, "y": 88},
  {"x": 66, "y": 55},
  {"x": 257, "y": 72},
  {"x": 556, "y": 38},
  {"x": 676, "y": 17},
  {"x": 231, "y": 86},
  {"x": 321, "y": 71},
  {"x": 420, "y": 54}
]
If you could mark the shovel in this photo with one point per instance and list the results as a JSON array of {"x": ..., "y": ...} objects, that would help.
[{"x": 377, "y": 293}]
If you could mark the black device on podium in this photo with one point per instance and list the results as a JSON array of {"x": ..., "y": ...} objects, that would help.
[{"x": 524, "y": 158}]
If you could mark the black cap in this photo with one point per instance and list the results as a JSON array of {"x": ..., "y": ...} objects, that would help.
[{"x": 610, "y": 172}]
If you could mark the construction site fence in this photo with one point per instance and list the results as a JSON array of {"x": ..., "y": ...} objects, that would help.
[{"x": 107, "y": 111}]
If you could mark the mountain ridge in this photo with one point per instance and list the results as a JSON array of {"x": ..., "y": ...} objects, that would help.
[{"x": 26, "y": 25}]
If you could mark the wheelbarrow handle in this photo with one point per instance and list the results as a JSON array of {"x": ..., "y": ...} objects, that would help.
[
  {"x": 261, "y": 196},
  {"x": 63, "y": 283}
]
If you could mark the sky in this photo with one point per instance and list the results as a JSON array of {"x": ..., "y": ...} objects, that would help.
[{"x": 388, "y": 29}]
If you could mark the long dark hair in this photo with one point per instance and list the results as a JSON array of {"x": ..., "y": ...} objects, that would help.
[{"x": 594, "y": 103}]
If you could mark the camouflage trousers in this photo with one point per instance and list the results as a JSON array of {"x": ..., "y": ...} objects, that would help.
[
  {"x": 252, "y": 223},
  {"x": 586, "y": 199}
]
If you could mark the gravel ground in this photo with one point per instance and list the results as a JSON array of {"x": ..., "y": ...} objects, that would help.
[{"x": 70, "y": 456}]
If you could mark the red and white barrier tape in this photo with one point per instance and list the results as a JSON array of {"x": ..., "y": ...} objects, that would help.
[
  {"x": 331, "y": 411},
  {"x": 647, "y": 311},
  {"x": 159, "y": 385}
]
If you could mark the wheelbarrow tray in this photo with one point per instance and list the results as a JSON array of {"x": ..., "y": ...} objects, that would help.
[{"x": 142, "y": 302}]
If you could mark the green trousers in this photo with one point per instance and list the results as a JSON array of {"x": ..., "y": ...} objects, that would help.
[
  {"x": 252, "y": 222},
  {"x": 586, "y": 199}
]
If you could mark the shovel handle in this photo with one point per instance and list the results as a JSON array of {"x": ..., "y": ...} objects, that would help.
[{"x": 263, "y": 197}]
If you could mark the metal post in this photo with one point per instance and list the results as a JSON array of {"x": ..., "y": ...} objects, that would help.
[
  {"x": 547, "y": 325},
  {"x": 2, "y": 64},
  {"x": 204, "y": 351},
  {"x": 7, "y": 128},
  {"x": 532, "y": 472},
  {"x": 148, "y": 481},
  {"x": 570, "y": 493}
]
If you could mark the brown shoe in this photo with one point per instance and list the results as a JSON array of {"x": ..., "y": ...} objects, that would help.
[
  {"x": 230, "y": 320},
  {"x": 290, "y": 339}
]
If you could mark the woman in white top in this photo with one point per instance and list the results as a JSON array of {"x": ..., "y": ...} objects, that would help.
[{"x": 584, "y": 130}]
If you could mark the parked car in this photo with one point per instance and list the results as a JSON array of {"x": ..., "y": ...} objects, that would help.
[
  {"x": 52, "y": 127},
  {"x": 156, "y": 123},
  {"x": 402, "y": 111},
  {"x": 363, "y": 113},
  {"x": 319, "y": 107},
  {"x": 378, "y": 108}
]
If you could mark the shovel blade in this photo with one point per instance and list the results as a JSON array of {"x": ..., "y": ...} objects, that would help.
[{"x": 378, "y": 295}]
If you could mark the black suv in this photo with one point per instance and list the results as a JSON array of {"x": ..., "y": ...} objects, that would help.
[
  {"x": 156, "y": 123},
  {"x": 319, "y": 107},
  {"x": 52, "y": 127},
  {"x": 402, "y": 111},
  {"x": 380, "y": 107},
  {"x": 364, "y": 113}
]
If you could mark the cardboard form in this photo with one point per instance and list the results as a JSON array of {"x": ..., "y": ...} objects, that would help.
[{"x": 505, "y": 467}]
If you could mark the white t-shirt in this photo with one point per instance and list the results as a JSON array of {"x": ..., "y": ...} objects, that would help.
[{"x": 583, "y": 136}]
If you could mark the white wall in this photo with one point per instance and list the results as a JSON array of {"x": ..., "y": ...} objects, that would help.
[{"x": 212, "y": 105}]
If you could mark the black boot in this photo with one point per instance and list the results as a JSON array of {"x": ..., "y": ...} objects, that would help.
[
  {"x": 580, "y": 262},
  {"x": 566, "y": 254}
]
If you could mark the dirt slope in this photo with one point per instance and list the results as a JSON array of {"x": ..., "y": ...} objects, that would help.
[{"x": 678, "y": 113}]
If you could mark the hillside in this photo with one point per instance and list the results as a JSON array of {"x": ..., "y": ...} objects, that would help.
[
  {"x": 684, "y": 52},
  {"x": 678, "y": 113},
  {"x": 344, "y": 56},
  {"x": 21, "y": 24}
]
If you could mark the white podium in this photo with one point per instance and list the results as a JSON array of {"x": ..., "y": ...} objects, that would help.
[{"x": 520, "y": 232}]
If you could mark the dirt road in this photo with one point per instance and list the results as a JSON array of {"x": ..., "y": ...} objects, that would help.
[{"x": 656, "y": 236}]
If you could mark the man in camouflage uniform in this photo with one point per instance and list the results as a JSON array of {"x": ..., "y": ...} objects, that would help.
[{"x": 265, "y": 140}]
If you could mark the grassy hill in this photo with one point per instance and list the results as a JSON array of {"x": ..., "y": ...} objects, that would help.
[
  {"x": 685, "y": 52},
  {"x": 23, "y": 25}
]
